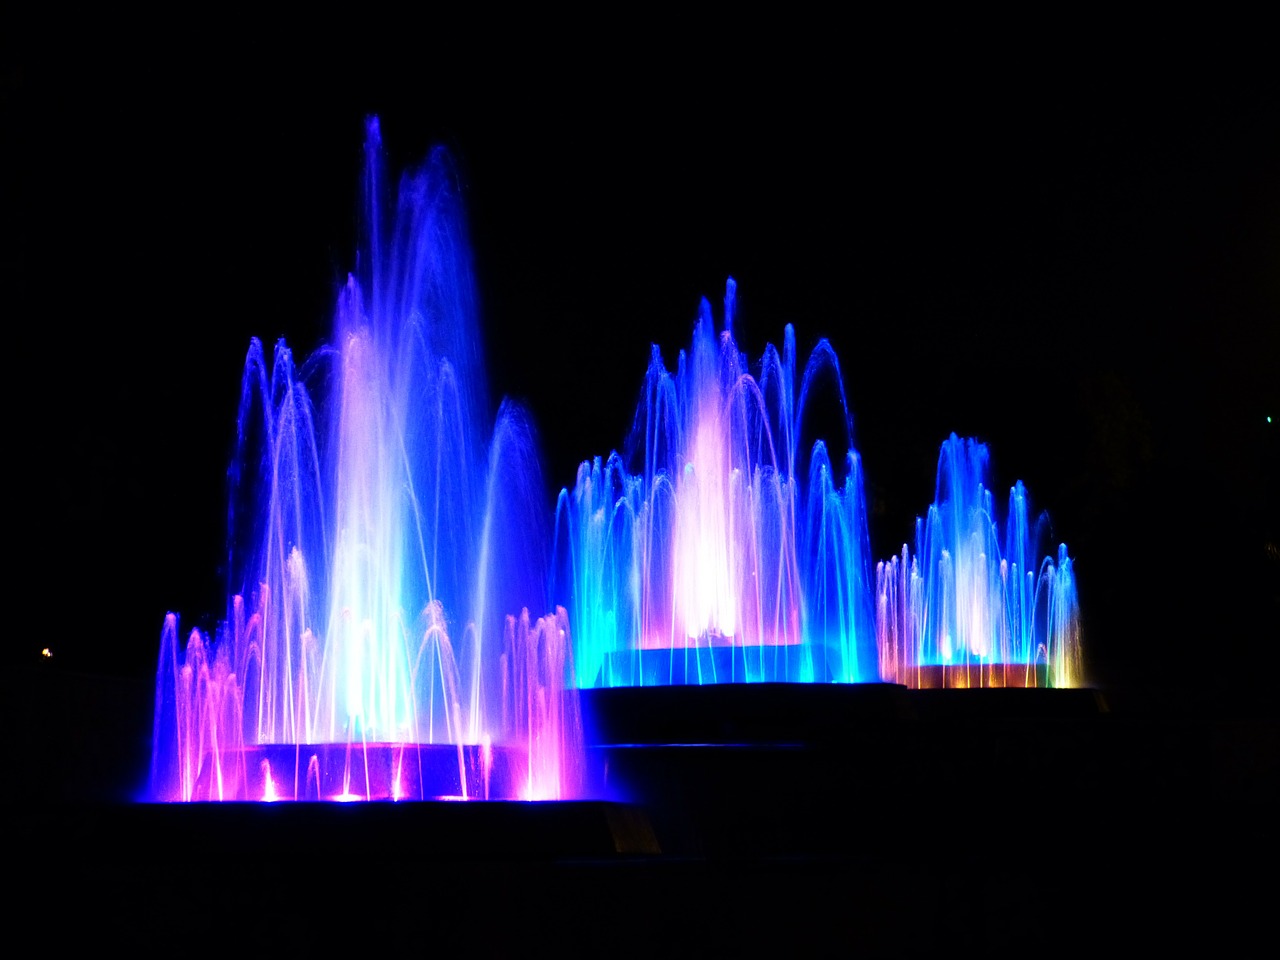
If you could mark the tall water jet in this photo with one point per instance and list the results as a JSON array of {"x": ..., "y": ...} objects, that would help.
[
  {"x": 977, "y": 604},
  {"x": 715, "y": 548},
  {"x": 384, "y": 528}
]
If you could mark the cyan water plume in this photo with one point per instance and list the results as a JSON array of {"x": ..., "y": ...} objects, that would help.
[{"x": 715, "y": 547}]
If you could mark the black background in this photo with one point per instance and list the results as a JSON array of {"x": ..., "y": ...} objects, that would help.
[{"x": 1063, "y": 239}]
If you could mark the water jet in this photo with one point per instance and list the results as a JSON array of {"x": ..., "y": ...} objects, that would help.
[
  {"x": 715, "y": 547},
  {"x": 385, "y": 538}
]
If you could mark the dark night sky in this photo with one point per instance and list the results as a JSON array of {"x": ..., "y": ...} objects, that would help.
[{"x": 1070, "y": 252}]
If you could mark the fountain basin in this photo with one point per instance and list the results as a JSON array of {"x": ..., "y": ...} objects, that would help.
[
  {"x": 364, "y": 771},
  {"x": 964, "y": 676},
  {"x": 713, "y": 663},
  {"x": 739, "y": 713}
]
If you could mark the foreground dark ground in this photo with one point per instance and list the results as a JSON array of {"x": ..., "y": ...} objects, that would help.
[{"x": 848, "y": 818}]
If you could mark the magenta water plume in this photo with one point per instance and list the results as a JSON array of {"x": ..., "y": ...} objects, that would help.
[
  {"x": 718, "y": 546},
  {"x": 978, "y": 602},
  {"x": 386, "y": 533}
]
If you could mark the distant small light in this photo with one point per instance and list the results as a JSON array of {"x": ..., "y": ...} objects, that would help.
[
  {"x": 1268, "y": 419},
  {"x": 46, "y": 652}
]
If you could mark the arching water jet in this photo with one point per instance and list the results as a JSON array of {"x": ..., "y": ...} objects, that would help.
[
  {"x": 978, "y": 604},
  {"x": 384, "y": 526},
  {"x": 715, "y": 548}
]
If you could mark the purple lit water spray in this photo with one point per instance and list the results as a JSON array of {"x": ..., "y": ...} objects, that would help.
[{"x": 384, "y": 530}]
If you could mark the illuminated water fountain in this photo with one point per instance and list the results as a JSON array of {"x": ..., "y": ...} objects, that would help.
[
  {"x": 384, "y": 527},
  {"x": 715, "y": 548},
  {"x": 975, "y": 605}
]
